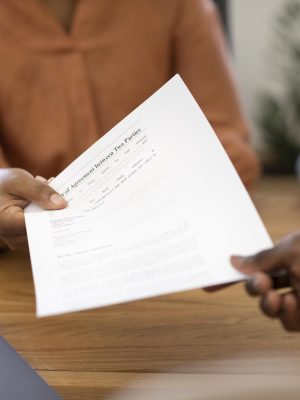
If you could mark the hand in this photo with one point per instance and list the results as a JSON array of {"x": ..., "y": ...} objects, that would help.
[
  {"x": 242, "y": 157},
  {"x": 283, "y": 263},
  {"x": 17, "y": 189}
]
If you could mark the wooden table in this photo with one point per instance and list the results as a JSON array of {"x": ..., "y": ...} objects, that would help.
[{"x": 92, "y": 354}]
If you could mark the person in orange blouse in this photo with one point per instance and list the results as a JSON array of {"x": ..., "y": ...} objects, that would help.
[{"x": 71, "y": 69}]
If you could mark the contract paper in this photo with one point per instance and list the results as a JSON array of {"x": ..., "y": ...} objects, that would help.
[{"x": 154, "y": 207}]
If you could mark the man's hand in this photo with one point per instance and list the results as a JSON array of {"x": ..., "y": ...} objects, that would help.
[
  {"x": 270, "y": 270},
  {"x": 17, "y": 189},
  {"x": 242, "y": 157}
]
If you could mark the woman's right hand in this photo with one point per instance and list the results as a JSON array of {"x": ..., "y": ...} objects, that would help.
[{"x": 17, "y": 189}]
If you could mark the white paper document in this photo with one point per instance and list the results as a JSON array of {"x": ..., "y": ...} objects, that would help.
[{"x": 155, "y": 206}]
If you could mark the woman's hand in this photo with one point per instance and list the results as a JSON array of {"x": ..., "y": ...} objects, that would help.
[
  {"x": 17, "y": 189},
  {"x": 243, "y": 158}
]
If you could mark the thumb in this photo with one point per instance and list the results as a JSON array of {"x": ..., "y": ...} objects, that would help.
[
  {"x": 267, "y": 261},
  {"x": 21, "y": 183}
]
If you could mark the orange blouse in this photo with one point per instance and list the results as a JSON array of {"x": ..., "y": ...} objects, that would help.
[{"x": 60, "y": 92}]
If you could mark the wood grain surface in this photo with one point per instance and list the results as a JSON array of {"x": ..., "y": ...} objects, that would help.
[{"x": 93, "y": 354}]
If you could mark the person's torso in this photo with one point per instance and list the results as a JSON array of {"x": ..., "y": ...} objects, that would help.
[{"x": 59, "y": 91}]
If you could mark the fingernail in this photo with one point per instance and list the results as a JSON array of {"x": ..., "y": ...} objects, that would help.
[
  {"x": 237, "y": 261},
  {"x": 41, "y": 179},
  {"x": 57, "y": 200},
  {"x": 252, "y": 286}
]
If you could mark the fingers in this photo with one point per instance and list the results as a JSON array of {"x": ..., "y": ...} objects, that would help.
[
  {"x": 284, "y": 307},
  {"x": 41, "y": 179},
  {"x": 274, "y": 268},
  {"x": 12, "y": 222},
  {"x": 16, "y": 242},
  {"x": 245, "y": 166},
  {"x": 290, "y": 316},
  {"x": 13, "y": 230},
  {"x": 259, "y": 284},
  {"x": 44, "y": 180},
  {"x": 20, "y": 184},
  {"x": 279, "y": 257},
  {"x": 17, "y": 189},
  {"x": 271, "y": 304},
  {"x": 268, "y": 260},
  {"x": 295, "y": 277}
]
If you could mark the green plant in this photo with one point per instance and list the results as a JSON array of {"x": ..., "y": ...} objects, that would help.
[{"x": 279, "y": 117}]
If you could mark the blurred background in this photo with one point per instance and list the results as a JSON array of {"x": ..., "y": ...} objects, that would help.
[{"x": 264, "y": 37}]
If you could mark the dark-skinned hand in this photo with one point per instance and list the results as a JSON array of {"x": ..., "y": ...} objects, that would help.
[{"x": 270, "y": 270}]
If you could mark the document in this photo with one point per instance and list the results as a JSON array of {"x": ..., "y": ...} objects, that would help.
[{"x": 154, "y": 207}]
